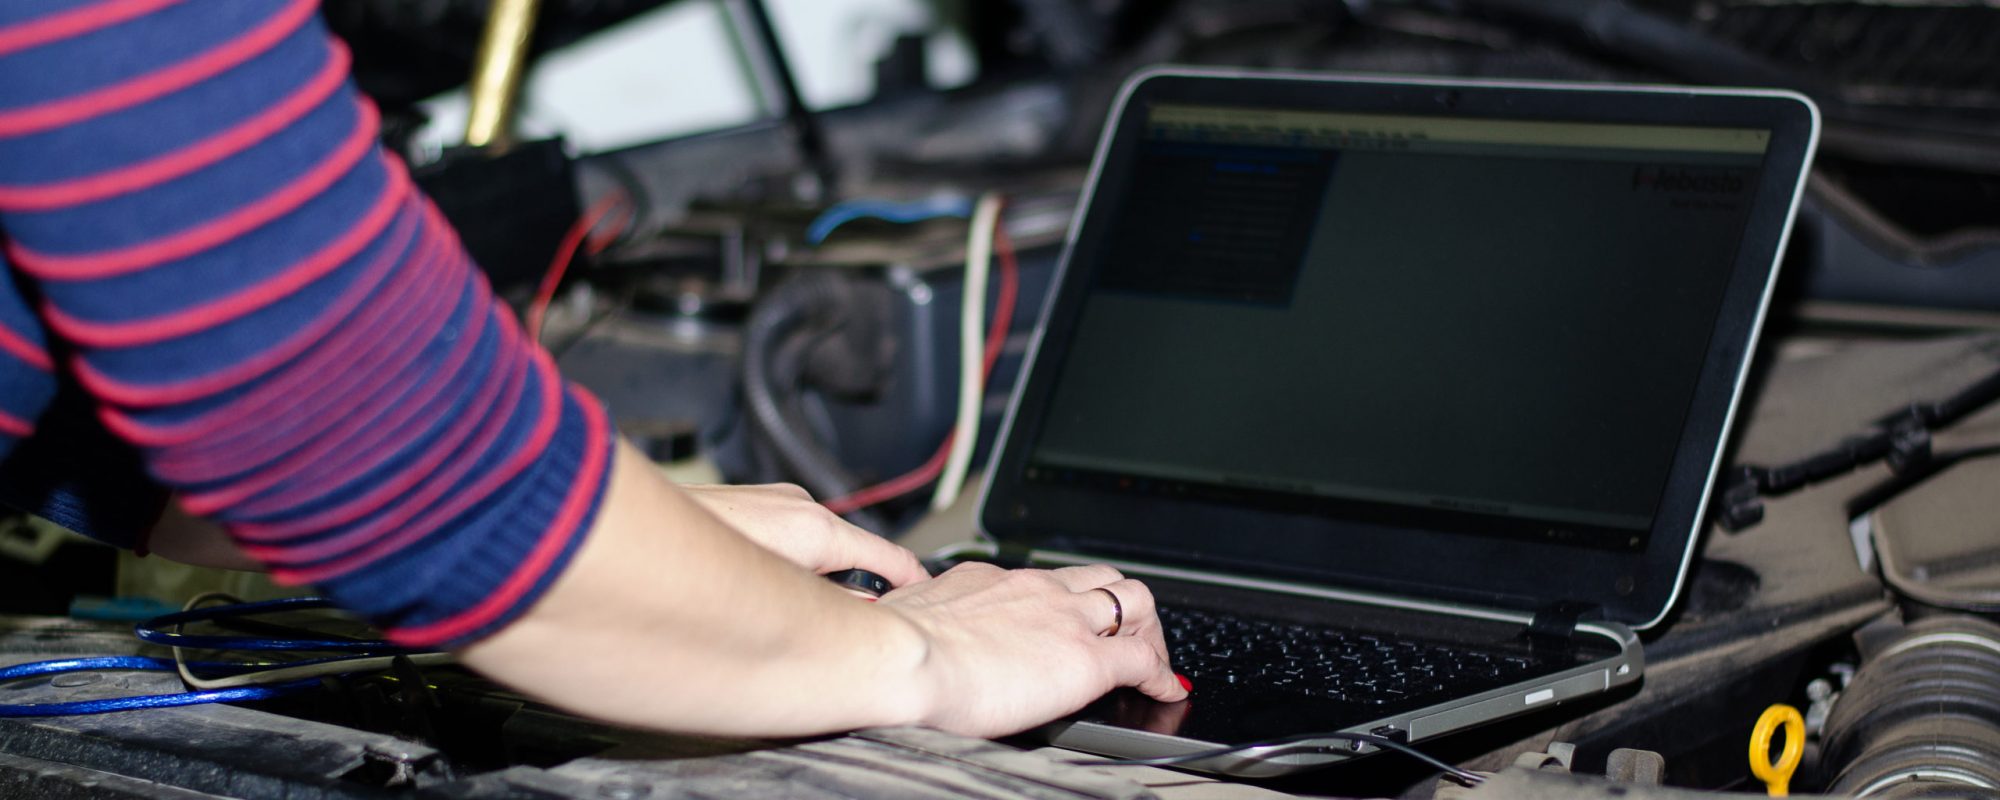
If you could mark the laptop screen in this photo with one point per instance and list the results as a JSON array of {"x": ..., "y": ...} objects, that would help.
[{"x": 1368, "y": 314}]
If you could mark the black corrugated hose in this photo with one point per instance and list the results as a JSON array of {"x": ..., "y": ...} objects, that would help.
[{"x": 780, "y": 339}]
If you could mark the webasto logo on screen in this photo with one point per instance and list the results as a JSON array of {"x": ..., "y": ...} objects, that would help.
[{"x": 1682, "y": 179}]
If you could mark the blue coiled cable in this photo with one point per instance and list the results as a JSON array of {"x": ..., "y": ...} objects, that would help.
[{"x": 142, "y": 663}]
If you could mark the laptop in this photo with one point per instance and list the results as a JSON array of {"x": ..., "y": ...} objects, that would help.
[{"x": 1405, "y": 396}]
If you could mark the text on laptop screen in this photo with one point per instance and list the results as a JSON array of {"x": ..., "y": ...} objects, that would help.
[{"x": 1497, "y": 318}]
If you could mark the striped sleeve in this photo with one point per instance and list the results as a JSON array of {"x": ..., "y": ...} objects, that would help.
[
  {"x": 258, "y": 300},
  {"x": 27, "y": 380}
]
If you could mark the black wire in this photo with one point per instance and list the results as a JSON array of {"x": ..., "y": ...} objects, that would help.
[
  {"x": 1385, "y": 743},
  {"x": 1899, "y": 482},
  {"x": 1902, "y": 437}
]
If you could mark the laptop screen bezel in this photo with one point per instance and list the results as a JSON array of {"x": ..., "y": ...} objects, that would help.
[{"x": 1633, "y": 587}]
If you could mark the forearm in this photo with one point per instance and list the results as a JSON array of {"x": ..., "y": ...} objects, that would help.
[{"x": 666, "y": 618}]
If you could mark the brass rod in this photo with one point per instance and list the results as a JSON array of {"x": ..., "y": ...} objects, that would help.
[{"x": 496, "y": 75}]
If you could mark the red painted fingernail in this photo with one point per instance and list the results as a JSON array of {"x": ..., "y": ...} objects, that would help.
[{"x": 1185, "y": 683}]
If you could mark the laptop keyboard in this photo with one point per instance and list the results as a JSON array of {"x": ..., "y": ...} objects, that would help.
[{"x": 1325, "y": 662}]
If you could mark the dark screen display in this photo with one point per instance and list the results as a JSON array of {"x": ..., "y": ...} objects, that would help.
[{"x": 1508, "y": 330}]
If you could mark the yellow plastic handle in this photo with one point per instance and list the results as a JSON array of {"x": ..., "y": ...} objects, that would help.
[{"x": 1778, "y": 776}]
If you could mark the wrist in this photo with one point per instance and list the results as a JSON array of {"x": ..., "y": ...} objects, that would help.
[{"x": 909, "y": 690}]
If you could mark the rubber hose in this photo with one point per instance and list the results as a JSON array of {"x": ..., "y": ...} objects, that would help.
[
  {"x": 780, "y": 318},
  {"x": 828, "y": 477},
  {"x": 1922, "y": 716}
]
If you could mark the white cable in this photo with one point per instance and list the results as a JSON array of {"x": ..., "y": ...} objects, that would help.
[
  {"x": 280, "y": 673},
  {"x": 971, "y": 351},
  {"x": 283, "y": 674}
]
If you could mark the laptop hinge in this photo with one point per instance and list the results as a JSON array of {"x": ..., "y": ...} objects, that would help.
[{"x": 1555, "y": 624}]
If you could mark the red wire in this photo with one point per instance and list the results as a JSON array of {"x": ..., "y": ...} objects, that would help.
[
  {"x": 546, "y": 292},
  {"x": 996, "y": 337}
]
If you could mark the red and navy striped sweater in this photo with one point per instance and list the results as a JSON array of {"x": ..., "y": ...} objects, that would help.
[{"x": 210, "y": 259}]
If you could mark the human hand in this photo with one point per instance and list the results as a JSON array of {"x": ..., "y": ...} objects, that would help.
[
  {"x": 1011, "y": 649},
  {"x": 785, "y": 520}
]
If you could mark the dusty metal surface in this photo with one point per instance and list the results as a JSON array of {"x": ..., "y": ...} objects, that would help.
[
  {"x": 51, "y": 780},
  {"x": 1526, "y": 784},
  {"x": 887, "y": 763}
]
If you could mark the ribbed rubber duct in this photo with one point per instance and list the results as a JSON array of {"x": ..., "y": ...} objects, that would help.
[{"x": 1922, "y": 717}]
